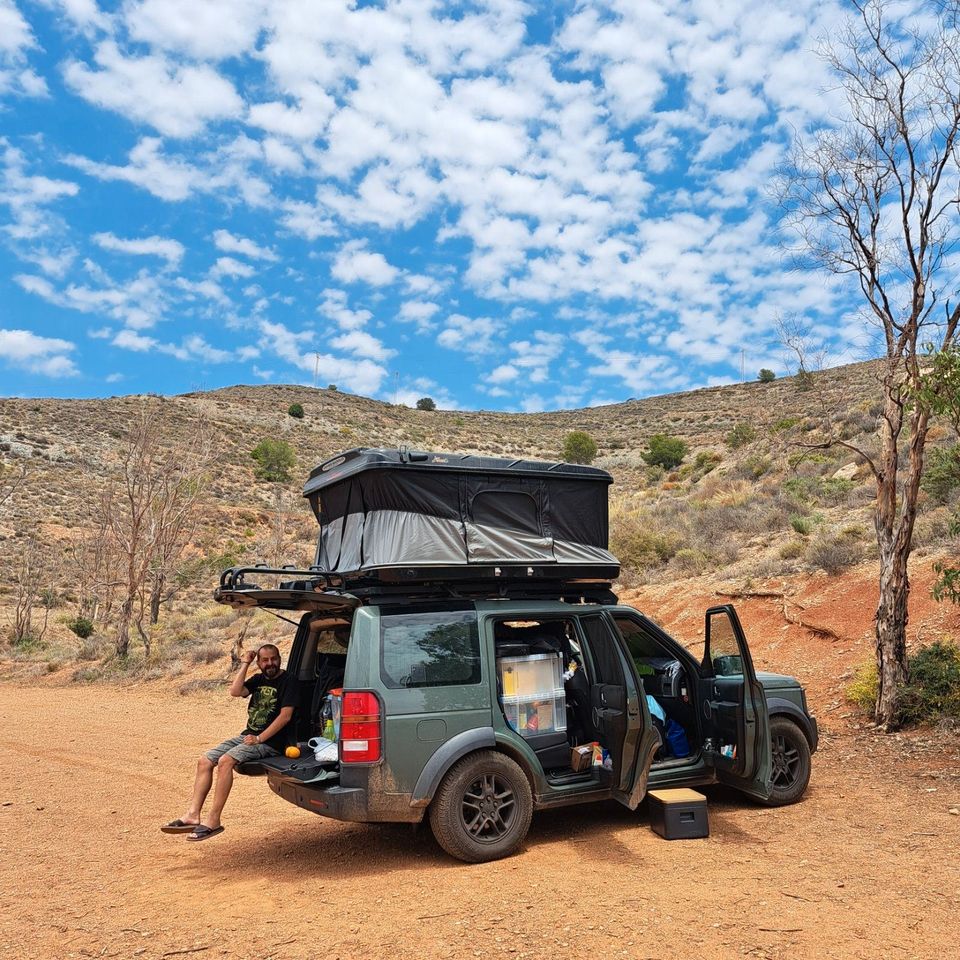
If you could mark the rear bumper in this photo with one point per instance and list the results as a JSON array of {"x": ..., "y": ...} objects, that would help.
[{"x": 357, "y": 804}]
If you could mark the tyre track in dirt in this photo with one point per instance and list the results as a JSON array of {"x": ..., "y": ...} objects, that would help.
[{"x": 864, "y": 867}]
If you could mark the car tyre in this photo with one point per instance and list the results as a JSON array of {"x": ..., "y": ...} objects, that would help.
[
  {"x": 790, "y": 758},
  {"x": 483, "y": 807}
]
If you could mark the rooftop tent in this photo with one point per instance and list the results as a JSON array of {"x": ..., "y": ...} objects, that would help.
[{"x": 385, "y": 509}]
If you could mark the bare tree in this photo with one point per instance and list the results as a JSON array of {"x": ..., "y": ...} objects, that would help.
[
  {"x": 31, "y": 590},
  {"x": 93, "y": 561},
  {"x": 152, "y": 513},
  {"x": 11, "y": 478},
  {"x": 875, "y": 198}
]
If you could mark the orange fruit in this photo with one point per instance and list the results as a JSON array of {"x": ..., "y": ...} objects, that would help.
[{"x": 292, "y": 752}]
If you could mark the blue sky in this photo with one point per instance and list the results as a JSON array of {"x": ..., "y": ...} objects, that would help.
[{"x": 500, "y": 205}]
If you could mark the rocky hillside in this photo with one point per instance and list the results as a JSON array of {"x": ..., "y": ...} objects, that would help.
[{"x": 754, "y": 497}]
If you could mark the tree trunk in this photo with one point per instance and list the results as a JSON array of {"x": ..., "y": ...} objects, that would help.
[
  {"x": 156, "y": 588},
  {"x": 891, "y": 638},
  {"x": 123, "y": 627}
]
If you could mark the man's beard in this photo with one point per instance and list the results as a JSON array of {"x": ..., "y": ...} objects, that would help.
[{"x": 270, "y": 672}]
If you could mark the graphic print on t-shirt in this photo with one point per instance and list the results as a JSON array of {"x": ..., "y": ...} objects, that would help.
[{"x": 262, "y": 704}]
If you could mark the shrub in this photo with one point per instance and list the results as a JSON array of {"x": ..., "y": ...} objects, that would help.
[
  {"x": 802, "y": 525},
  {"x": 862, "y": 690},
  {"x": 785, "y": 423},
  {"x": 426, "y": 403},
  {"x": 793, "y": 549},
  {"x": 705, "y": 461},
  {"x": 81, "y": 626},
  {"x": 834, "y": 553},
  {"x": 833, "y": 490},
  {"x": 295, "y": 410},
  {"x": 690, "y": 560},
  {"x": 275, "y": 459},
  {"x": 664, "y": 451},
  {"x": 579, "y": 447},
  {"x": 740, "y": 435},
  {"x": 931, "y": 693},
  {"x": 755, "y": 467},
  {"x": 942, "y": 473},
  {"x": 933, "y": 690},
  {"x": 206, "y": 653},
  {"x": 766, "y": 376},
  {"x": 332, "y": 387}
]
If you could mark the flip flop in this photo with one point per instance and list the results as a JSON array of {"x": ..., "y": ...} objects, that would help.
[
  {"x": 178, "y": 826},
  {"x": 203, "y": 832}
]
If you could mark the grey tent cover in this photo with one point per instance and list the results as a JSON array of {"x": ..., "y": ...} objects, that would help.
[{"x": 391, "y": 508}]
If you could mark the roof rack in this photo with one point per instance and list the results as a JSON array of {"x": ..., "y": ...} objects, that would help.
[{"x": 586, "y": 584}]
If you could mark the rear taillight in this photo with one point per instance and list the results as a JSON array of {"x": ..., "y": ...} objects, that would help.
[{"x": 360, "y": 727}]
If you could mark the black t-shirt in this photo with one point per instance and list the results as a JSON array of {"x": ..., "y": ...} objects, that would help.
[{"x": 267, "y": 697}]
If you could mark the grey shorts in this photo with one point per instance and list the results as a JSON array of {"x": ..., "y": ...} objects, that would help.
[{"x": 240, "y": 751}]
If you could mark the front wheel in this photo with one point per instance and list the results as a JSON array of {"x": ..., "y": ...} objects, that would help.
[
  {"x": 790, "y": 755},
  {"x": 482, "y": 809}
]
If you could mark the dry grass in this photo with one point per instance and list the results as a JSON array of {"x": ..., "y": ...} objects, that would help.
[{"x": 768, "y": 502}]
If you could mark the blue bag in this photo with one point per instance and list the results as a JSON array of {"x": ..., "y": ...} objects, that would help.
[{"x": 677, "y": 739}]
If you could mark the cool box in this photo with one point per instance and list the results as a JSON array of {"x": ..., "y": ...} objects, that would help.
[{"x": 678, "y": 814}]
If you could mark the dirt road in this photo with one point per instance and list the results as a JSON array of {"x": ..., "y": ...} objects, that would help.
[{"x": 865, "y": 867}]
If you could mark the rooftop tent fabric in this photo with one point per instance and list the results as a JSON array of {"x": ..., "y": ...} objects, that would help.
[{"x": 383, "y": 508}]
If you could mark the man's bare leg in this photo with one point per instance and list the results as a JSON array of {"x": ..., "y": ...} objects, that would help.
[
  {"x": 201, "y": 787},
  {"x": 225, "y": 768}
]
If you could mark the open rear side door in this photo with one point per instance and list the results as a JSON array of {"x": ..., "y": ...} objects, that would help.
[
  {"x": 619, "y": 711},
  {"x": 734, "y": 706}
]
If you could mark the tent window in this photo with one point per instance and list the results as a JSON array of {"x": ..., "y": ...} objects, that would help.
[{"x": 511, "y": 511}]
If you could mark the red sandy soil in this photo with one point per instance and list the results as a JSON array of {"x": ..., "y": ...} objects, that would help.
[{"x": 866, "y": 866}]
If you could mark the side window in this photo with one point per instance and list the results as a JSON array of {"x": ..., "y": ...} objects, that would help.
[
  {"x": 724, "y": 651},
  {"x": 603, "y": 649},
  {"x": 644, "y": 650},
  {"x": 429, "y": 650}
]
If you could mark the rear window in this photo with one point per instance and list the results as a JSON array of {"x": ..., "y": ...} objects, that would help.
[{"x": 430, "y": 649}]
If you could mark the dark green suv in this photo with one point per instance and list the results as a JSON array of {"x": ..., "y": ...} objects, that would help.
[
  {"x": 459, "y": 624},
  {"x": 469, "y": 711}
]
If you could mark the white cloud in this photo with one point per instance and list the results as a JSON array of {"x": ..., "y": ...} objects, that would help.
[
  {"x": 505, "y": 373},
  {"x": 46, "y": 356},
  {"x": 228, "y": 243},
  {"x": 197, "y": 347},
  {"x": 362, "y": 344},
  {"x": 149, "y": 169},
  {"x": 131, "y": 340},
  {"x": 170, "y": 250},
  {"x": 306, "y": 121},
  {"x": 363, "y": 376},
  {"x": 354, "y": 263},
  {"x": 334, "y": 307},
  {"x": 535, "y": 356},
  {"x": 306, "y": 220},
  {"x": 419, "y": 312},
  {"x": 229, "y": 267},
  {"x": 469, "y": 335},
  {"x": 211, "y": 30},
  {"x": 16, "y": 38},
  {"x": 27, "y": 195},
  {"x": 177, "y": 100},
  {"x": 209, "y": 289}
]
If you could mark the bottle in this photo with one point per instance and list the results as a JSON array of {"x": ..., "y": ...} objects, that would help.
[{"x": 328, "y": 730}]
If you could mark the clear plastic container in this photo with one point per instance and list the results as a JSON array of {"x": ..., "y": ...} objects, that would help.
[{"x": 533, "y": 698}]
